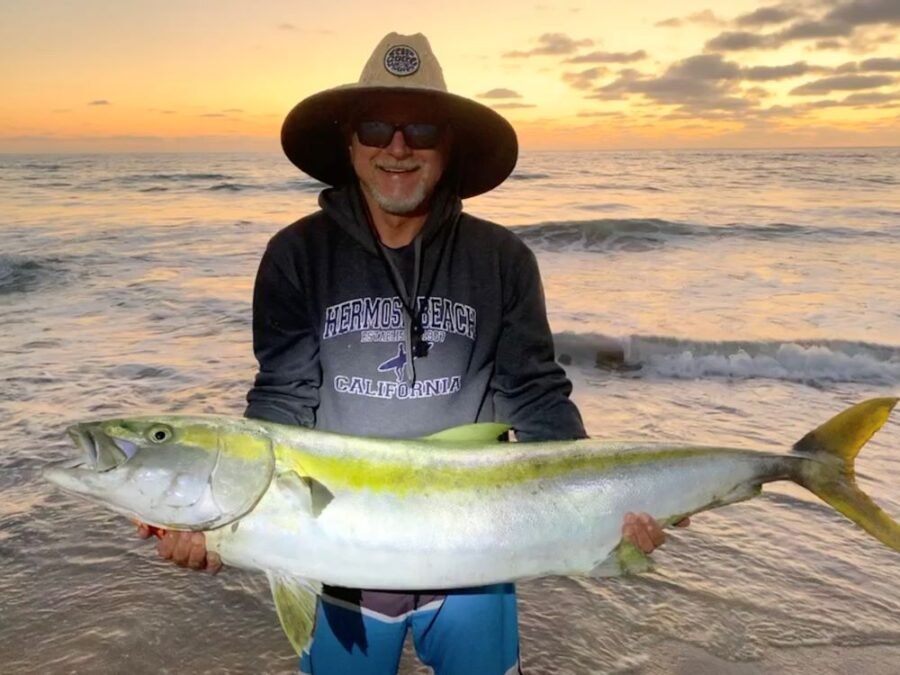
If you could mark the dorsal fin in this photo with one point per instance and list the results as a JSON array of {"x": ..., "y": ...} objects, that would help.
[{"x": 480, "y": 432}]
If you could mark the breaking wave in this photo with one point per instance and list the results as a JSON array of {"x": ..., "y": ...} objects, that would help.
[
  {"x": 18, "y": 275},
  {"x": 186, "y": 177},
  {"x": 612, "y": 234},
  {"x": 229, "y": 187},
  {"x": 525, "y": 175},
  {"x": 213, "y": 182},
  {"x": 805, "y": 361}
]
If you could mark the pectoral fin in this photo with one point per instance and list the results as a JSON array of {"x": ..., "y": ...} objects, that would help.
[
  {"x": 295, "y": 600},
  {"x": 626, "y": 559},
  {"x": 319, "y": 496},
  {"x": 310, "y": 495}
]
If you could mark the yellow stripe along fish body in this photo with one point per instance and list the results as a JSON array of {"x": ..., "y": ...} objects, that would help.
[{"x": 451, "y": 510}]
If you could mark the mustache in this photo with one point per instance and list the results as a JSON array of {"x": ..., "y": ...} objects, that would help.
[{"x": 399, "y": 166}]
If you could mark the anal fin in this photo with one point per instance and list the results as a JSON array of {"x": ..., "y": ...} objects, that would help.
[
  {"x": 295, "y": 601},
  {"x": 625, "y": 559}
]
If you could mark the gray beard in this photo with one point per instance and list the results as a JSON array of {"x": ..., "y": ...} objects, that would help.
[{"x": 399, "y": 206}]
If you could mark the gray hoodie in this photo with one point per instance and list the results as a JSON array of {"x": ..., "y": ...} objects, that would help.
[{"x": 334, "y": 321}]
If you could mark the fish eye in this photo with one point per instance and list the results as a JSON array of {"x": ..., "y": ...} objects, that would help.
[{"x": 159, "y": 434}]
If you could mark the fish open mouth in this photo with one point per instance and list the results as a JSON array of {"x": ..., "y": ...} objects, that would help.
[
  {"x": 84, "y": 440},
  {"x": 101, "y": 452},
  {"x": 77, "y": 463}
]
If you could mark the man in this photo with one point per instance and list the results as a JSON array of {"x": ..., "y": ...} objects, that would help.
[{"x": 392, "y": 313}]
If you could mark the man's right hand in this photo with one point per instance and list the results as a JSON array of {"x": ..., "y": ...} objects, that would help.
[{"x": 185, "y": 549}]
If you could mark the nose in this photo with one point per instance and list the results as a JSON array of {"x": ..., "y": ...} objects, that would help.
[{"x": 398, "y": 147}]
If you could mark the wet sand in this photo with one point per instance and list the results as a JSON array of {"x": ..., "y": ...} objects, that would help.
[{"x": 673, "y": 658}]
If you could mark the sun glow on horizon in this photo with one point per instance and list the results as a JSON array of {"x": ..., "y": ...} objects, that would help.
[{"x": 106, "y": 76}]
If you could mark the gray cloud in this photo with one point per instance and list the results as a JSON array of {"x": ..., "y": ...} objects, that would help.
[
  {"x": 811, "y": 30},
  {"x": 499, "y": 92},
  {"x": 885, "y": 65},
  {"x": 287, "y": 26},
  {"x": 840, "y": 22},
  {"x": 735, "y": 41},
  {"x": 233, "y": 110},
  {"x": 874, "y": 65},
  {"x": 767, "y": 15},
  {"x": 99, "y": 101},
  {"x": 609, "y": 57},
  {"x": 882, "y": 99},
  {"x": 599, "y": 113},
  {"x": 584, "y": 79},
  {"x": 704, "y": 67},
  {"x": 757, "y": 92},
  {"x": 842, "y": 83},
  {"x": 706, "y": 17},
  {"x": 818, "y": 104},
  {"x": 212, "y": 115},
  {"x": 552, "y": 44},
  {"x": 866, "y": 12},
  {"x": 669, "y": 23},
  {"x": 700, "y": 83},
  {"x": 872, "y": 98},
  {"x": 512, "y": 106},
  {"x": 712, "y": 86},
  {"x": 767, "y": 73}
]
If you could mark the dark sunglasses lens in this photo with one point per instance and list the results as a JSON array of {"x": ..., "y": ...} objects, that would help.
[
  {"x": 375, "y": 134},
  {"x": 418, "y": 135},
  {"x": 422, "y": 135}
]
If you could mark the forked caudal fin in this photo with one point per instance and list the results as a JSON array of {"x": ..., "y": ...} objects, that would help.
[{"x": 836, "y": 444}]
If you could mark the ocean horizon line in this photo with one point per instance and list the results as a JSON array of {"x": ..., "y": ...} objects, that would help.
[{"x": 169, "y": 151}]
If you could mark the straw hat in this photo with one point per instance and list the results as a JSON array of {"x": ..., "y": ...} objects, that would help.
[{"x": 485, "y": 146}]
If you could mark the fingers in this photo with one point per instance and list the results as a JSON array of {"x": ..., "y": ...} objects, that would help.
[
  {"x": 643, "y": 531},
  {"x": 213, "y": 563},
  {"x": 166, "y": 545},
  {"x": 188, "y": 549},
  {"x": 184, "y": 548},
  {"x": 196, "y": 559},
  {"x": 143, "y": 530}
]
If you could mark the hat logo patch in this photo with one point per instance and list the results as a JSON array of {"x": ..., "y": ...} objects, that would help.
[{"x": 401, "y": 60}]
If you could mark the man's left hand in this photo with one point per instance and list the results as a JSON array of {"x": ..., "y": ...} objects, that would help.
[{"x": 642, "y": 530}]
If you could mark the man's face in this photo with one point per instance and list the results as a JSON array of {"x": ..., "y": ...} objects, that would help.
[{"x": 399, "y": 179}]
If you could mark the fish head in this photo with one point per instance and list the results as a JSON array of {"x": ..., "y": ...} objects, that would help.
[{"x": 186, "y": 473}]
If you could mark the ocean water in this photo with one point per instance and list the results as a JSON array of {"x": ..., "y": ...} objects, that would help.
[{"x": 732, "y": 298}]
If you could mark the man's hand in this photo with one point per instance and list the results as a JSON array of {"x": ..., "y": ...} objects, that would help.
[
  {"x": 643, "y": 531},
  {"x": 185, "y": 549}
]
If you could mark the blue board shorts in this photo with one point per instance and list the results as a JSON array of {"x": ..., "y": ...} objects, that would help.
[{"x": 464, "y": 632}]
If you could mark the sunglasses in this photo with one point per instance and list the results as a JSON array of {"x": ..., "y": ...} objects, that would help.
[{"x": 417, "y": 135}]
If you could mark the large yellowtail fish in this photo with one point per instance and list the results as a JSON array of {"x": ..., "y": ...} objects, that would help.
[{"x": 451, "y": 510}]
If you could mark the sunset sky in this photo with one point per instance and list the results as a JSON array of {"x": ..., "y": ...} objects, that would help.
[{"x": 104, "y": 75}]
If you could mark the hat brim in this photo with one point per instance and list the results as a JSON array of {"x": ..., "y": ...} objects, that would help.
[{"x": 485, "y": 146}]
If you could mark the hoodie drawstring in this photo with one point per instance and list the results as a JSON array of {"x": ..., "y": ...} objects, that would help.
[{"x": 414, "y": 345}]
